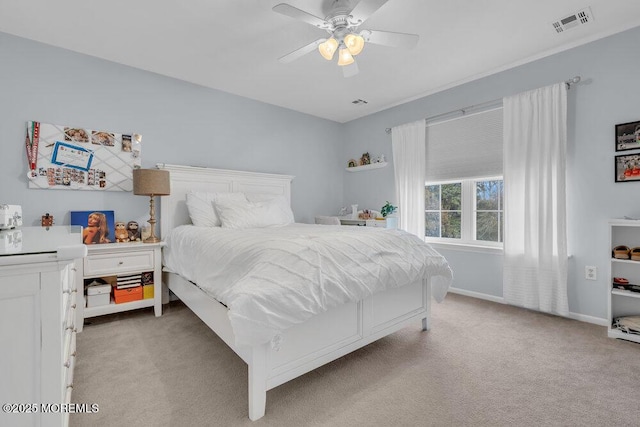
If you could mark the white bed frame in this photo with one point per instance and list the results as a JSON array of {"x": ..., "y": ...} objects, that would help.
[{"x": 306, "y": 346}]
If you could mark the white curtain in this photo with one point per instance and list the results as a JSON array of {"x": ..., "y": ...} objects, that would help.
[
  {"x": 408, "y": 147},
  {"x": 535, "y": 235}
]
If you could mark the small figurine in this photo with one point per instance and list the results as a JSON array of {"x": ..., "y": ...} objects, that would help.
[
  {"x": 365, "y": 159},
  {"x": 121, "y": 232},
  {"x": 133, "y": 231},
  {"x": 47, "y": 220},
  {"x": 381, "y": 158}
]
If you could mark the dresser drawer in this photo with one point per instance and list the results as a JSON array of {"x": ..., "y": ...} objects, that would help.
[{"x": 111, "y": 264}]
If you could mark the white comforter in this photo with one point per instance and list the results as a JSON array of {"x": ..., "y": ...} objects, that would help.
[{"x": 273, "y": 278}]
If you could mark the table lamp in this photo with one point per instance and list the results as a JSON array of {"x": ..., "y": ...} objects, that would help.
[{"x": 151, "y": 182}]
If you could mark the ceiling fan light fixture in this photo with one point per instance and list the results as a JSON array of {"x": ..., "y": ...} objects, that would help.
[
  {"x": 328, "y": 48},
  {"x": 355, "y": 43},
  {"x": 344, "y": 57}
]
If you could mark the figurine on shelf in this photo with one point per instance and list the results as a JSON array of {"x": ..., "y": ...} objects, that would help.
[
  {"x": 381, "y": 159},
  {"x": 352, "y": 163},
  {"x": 121, "y": 232},
  {"x": 133, "y": 231},
  {"x": 365, "y": 159}
]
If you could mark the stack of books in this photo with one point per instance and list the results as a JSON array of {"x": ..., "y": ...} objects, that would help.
[{"x": 129, "y": 281}]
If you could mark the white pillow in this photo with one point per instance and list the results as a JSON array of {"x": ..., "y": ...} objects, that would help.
[
  {"x": 201, "y": 210},
  {"x": 245, "y": 214},
  {"x": 279, "y": 201}
]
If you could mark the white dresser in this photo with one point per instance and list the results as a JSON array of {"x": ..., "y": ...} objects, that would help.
[{"x": 38, "y": 291}]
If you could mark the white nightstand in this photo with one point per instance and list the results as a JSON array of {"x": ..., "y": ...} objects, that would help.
[{"x": 113, "y": 259}]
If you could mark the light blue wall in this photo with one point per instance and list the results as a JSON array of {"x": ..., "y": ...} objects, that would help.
[
  {"x": 187, "y": 124},
  {"x": 608, "y": 95},
  {"x": 181, "y": 123}
]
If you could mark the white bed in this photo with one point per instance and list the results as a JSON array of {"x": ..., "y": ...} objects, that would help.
[{"x": 305, "y": 346}]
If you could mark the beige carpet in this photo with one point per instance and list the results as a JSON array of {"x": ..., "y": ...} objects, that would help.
[{"x": 481, "y": 364}]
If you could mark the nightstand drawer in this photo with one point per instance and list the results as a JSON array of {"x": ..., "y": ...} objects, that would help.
[{"x": 111, "y": 264}]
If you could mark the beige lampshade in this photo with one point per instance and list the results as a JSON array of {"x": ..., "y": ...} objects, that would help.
[
  {"x": 328, "y": 48},
  {"x": 148, "y": 182},
  {"x": 344, "y": 57},
  {"x": 354, "y": 43}
]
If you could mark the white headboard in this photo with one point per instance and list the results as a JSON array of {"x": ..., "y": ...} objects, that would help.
[{"x": 173, "y": 208}]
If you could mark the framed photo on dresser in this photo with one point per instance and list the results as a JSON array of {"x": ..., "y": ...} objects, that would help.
[{"x": 97, "y": 226}]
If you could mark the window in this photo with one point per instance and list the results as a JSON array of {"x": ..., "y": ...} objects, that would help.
[
  {"x": 489, "y": 214},
  {"x": 469, "y": 211},
  {"x": 443, "y": 210},
  {"x": 460, "y": 207}
]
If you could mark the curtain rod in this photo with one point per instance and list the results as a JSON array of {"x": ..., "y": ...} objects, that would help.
[{"x": 487, "y": 104}]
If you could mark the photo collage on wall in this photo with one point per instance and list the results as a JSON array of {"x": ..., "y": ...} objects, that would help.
[
  {"x": 65, "y": 157},
  {"x": 627, "y": 166}
]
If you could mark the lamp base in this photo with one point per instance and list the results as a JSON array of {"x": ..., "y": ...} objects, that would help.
[{"x": 152, "y": 222}]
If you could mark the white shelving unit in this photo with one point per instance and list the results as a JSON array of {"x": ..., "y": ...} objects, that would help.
[
  {"x": 623, "y": 232},
  {"x": 367, "y": 167}
]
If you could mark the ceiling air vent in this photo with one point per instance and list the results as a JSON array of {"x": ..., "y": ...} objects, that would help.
[
  {"x": 359, "y": 101},
  {"x": 582, "y": 17}
]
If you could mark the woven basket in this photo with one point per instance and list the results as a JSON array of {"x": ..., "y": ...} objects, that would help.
[
  {"x": 622, "y": 252},
  {"x": 635, "y": 254}
]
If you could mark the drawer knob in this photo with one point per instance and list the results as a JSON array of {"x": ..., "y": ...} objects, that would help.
[
  {"x": 70, "y": 385},
  {"x": 71, "y": 327},
  {"x": 67, "y": 364},
  {"x": 73, "y": 306},
  {"x": 120, "y": 262}
]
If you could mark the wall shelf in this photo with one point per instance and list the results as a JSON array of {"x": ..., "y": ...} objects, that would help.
[{"x": 367, "y": 167}]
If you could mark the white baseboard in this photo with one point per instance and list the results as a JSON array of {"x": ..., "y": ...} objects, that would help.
[
  {"x": 575, "y": 316},
  {"x": 588, "y": 319},
  {"x": 477, "y": 295}
]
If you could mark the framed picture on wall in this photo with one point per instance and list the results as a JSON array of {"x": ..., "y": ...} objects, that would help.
[
  {"x": 628, "y": 136},
  {"x": 97, "y": 226},
  {"x": 627, "y": 168}
]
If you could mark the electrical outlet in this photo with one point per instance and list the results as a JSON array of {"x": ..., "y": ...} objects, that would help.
[{"x": 590, "y": 272}]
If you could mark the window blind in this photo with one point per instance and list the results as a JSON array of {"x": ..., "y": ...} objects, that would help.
[{"x": 465, "y": 147}]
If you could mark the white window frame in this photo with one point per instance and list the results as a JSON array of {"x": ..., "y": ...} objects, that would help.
[{"x": 467, "y": 221}]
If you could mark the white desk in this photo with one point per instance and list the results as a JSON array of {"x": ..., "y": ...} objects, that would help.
[{"x": 363, "y": 222}]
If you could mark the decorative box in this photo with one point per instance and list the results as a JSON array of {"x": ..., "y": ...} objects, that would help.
[
  {"x": 147, "y": 291},
  {"x": 98, "y": 294},
  {"x": 127, "y": 295}
]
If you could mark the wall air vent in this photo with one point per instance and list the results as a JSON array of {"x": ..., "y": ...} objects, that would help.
[
  {"x": 583, "y": 16},
  {"x": 359, "y": 101}
]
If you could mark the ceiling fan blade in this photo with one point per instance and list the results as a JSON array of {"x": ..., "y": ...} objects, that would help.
[
  {"x": 301, "y": 51},
  {"x": 350, "y": 70},
  {"x": 294, "y": 12},
  {"x": 388, "y": 38},
  {"x": 364, "y": 9}
]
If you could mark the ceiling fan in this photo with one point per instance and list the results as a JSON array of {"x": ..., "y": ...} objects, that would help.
[{"x": 346, "y": 38}]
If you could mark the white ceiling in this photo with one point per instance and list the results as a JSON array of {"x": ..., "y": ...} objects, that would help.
[{"x": 233, "y": 45}]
